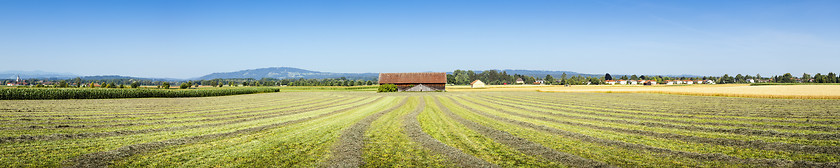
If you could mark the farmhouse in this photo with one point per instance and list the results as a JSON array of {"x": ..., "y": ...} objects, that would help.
[
  {"x": 425, "y": 81},
  {"x": 622, "y": 82},
  {"x": 610, "y": 82},
  {"x": 477, "y": 84},
  {"x": 520, "y": 81}
]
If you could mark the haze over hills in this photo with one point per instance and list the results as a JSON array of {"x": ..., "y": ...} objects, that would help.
[
  {"x": 287, "y": 73},
  {"x": 279, "y": 73},
  {"x": 35, "y": 74}
]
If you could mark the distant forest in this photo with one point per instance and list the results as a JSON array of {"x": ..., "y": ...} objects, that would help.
[{"x": 457, "y": 77}]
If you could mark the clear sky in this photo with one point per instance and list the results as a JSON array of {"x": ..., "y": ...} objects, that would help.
[{"x": 183, "y": 39}]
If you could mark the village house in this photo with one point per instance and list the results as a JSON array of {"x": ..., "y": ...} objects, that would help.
[
  {"x": 539, "y": 82},
  {"x": 520, "y": 81},
  {"x": 650, "y": 82},
  {"x": 425, "y": 81},
  {"x": 18, "y": 82},
  {"x": 634, "y": 82},
  {"x": 688, "y": 82},
  {"x": 709, "y": 81},
  {"x": 622, "y": 82},
  {"x": 477, "y": 84},
  {"x": 610, "y": 82}
]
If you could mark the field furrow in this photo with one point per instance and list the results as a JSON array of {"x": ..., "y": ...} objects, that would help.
[
  {"x": 347, "y": 152},
  {"x": 441, "y": 129},
  {"x": 102, "y": 159},
  {"x": 534, "y": 152},
  {"x": 414, "y": 131},
  {"x": 669, "y": 146}
]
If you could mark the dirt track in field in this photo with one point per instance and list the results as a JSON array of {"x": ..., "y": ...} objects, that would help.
[
  {"x": 692, "y": 155},
  {"x": 713, "y": 141},
  {"x": 103, "y": 159},
  {"x": 347, "y": 152},
  {"x": 521, "y": 144},
  {"x": 24, "y": 138},
  {"x": 413, "y": 130}
]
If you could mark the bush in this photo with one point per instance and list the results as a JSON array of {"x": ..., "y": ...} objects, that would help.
[
  {"x": 184, "y": 85},
  {"x": 135, "y": 84},
  {"x": 165, "y": 85},
  {"x": 387, "y": 88}
]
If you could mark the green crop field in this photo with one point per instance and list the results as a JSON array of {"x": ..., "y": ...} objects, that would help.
[{"x": 444, "y": 129}]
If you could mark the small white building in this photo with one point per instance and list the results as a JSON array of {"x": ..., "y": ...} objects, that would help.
[
  {"x": 520, "y": 81},
  {"x": 477, "y": 84},
  {"x": 750, "y": 80},
  {"x": 622, "y": 82},
  {"x": 610, "y": 82},
  {"x": 540, "y": 82},
  {"x": 710, "y": 82},
  {"x": 634, "y": 82},
  {"x": 688, "y": 82}
]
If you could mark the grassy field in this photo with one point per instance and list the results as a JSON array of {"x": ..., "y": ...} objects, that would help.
[
  {"x": 730, "y": 90},
  {"x": 449, "y": 129}
]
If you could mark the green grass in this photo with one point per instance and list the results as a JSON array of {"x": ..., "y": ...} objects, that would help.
[{"x": 298, "y": 128}]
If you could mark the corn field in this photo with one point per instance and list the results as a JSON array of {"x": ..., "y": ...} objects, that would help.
[{"x": 105, "y": 93}]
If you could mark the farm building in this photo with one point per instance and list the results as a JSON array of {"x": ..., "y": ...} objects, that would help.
[
  {"x": 520, "y": 81},
  {"x": 425, "y": 81},
  {"x": 477, "y": 84}
]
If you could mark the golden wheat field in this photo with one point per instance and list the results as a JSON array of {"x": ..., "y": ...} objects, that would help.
[{"x": 733, "y": 90}]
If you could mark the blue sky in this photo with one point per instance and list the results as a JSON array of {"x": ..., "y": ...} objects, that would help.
[{"x": 183, "y": 39}]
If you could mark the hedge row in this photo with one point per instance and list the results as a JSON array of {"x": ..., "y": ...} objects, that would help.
[{"x": 107, "y": 93}]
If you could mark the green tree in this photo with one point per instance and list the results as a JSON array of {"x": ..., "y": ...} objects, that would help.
[
  {"x": 135, "y": 84},
  {"x": 462, "y": 79},
  {"x": 806, "y": 77},
  {"x": 549, "y": 79},
  {"x": 78, "y": 82},
  {"x": 62, "y": 84},
  {"x": 387, "y": 88},
  {"x": 832, "y": 78},
  {"x": 608, "y": 77},
  {"x": 184, "y": 85},
  {"x": 165, "y": 85},
  {"x": 787, "y": 78},
  {"x": 450, "y": 79}
]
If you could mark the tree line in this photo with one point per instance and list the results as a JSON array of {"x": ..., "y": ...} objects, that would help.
[{"x": 233, "y": 82}]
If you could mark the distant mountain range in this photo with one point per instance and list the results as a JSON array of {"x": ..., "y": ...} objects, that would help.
[
  {"x": 278, "y": 73},
  {"x": 35, "y": 74},
  {"x": 287, "y": 73}
]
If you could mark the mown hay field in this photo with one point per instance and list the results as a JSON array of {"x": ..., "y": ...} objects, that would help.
[{"x": 448, "y": 129}]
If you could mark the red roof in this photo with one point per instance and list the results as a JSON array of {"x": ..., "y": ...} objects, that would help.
[
  {"x": 473, "y": 83},
  {"x": 419, "y": 77}
]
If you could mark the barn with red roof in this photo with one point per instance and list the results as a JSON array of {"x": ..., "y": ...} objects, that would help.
[{"x": 418, "y": 81}]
